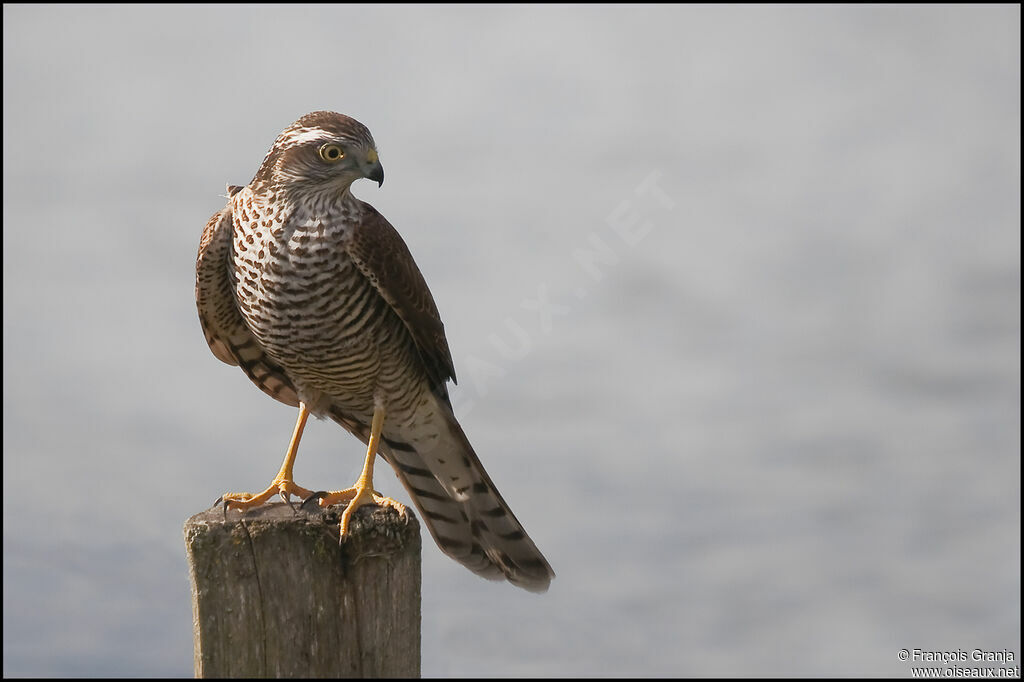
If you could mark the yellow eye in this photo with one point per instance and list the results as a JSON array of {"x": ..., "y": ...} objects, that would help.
[{"x": 332, "y": 153}]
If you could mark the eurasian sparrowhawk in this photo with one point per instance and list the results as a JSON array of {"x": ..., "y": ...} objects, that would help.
[{"x": 316, "y": 297}]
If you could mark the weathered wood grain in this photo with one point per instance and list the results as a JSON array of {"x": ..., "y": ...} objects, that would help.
[{"x": 274, "y": 595}]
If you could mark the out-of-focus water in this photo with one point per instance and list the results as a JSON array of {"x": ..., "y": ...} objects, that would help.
[{"x": 733, "y": 296}]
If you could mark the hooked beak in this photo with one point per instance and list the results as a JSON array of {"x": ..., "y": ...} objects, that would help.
[
  {"x": 376, "y": 173},
  {"x": 373, "y": 170}
]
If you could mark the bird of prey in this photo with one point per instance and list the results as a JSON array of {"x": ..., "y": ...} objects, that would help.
[{"x": 315, "y": 296}]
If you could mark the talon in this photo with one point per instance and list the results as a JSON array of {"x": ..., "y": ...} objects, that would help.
[
  {"x": 318, "y": 495},
  {"x": 223, "y": 503}
]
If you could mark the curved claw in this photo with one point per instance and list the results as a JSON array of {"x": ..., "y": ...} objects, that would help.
[
  {"x": 287, "y": 498},
  {"x": 318, "y": 495},
  {"x": 224, "y": 505}
]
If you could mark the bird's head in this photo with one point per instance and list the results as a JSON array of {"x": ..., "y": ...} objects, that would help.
[{"x": 321, "y": 152}]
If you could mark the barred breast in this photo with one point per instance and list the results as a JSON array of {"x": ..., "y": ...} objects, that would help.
[{"x": 315, "y": 313}]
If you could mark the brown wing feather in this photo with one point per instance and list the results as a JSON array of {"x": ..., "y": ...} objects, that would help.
[
  {"x": 225, "y": 330},
  {"x": 381, "y": 255}
]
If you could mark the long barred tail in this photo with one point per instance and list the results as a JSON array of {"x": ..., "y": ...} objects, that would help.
[{"x": 461, "y": 507}]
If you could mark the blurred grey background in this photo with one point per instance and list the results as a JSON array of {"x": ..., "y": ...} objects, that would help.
[{"x": 733, "y": 295}]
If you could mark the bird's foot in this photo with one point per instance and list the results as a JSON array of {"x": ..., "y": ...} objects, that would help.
[
  {"x": 354, "y": 498},
  {"x": 284, "y": 487}
]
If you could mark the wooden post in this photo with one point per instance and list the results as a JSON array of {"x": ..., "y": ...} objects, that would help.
[{"x": 274, "y": 595}]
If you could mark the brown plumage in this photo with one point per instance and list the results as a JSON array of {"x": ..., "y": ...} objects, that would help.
[{"x": 318, "y": 300}]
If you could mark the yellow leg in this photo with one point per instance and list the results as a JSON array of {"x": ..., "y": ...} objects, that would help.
[
  {"x": 283, "y": 484},
  {"x": 363, "y": 492}
]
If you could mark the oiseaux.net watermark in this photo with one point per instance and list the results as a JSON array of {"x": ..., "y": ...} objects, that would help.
[
  {"x": 632, "y": 219},
  {"x": 957, "y": 663}
]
